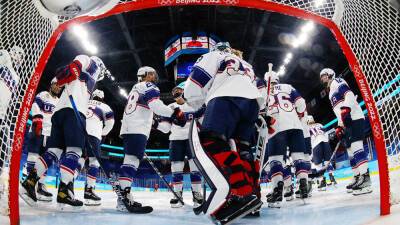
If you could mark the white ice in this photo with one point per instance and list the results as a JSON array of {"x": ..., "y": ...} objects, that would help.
[{"x": 334, "y": 206}]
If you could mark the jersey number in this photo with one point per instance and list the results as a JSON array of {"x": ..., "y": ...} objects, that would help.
[
  {"x": 132, "y": 103},
  {"x": 280, "y": 101}
]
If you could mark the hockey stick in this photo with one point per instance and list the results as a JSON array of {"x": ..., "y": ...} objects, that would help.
[
  {"x": 163, "y": 179},
  {"x": 323, "y": 170}
]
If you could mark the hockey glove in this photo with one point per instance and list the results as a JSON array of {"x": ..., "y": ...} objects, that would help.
[
  {"x": 346, "y": 117},
  {"x": 68, "y": 73},
  {"x": 37, "y": 125},
  {"x": 270, "y": 121},
  {"x": 178, "y": 117}
]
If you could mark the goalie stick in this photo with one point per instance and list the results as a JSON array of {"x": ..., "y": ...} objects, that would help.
[
  {"x": 263, "y": 130},
  {"x": 112, "y": 181}
]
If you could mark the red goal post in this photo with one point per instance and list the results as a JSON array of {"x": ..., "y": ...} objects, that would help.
[{"x": 345, "y": 18}]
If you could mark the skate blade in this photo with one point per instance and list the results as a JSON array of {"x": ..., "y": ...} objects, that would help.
[
  {"x": 24, "y": 196},
  {"x": 68, "y": 208},
  {"x": 363, "y": 191},
  {"x": 288, "y": 199},
  {"x": 321, "y": 189},
  {"x": 245, "y": 213},
  {"x": 43, "y": 198},
  {"x": 276, "y": 205},
  {"x": 121, "y": 208},
  {"x": 349, "y": 191},
  {"x": 175, "y": 206},
  {"x": 89, "y": 202}
]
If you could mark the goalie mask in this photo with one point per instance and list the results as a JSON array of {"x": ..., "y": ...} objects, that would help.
[
  {"x": 326, "y": 75},
  {"x": 17, "y": 55},
  {"x": 144, "y": 71}
]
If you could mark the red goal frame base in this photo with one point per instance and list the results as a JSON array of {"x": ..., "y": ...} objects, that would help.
[{"x": 146, "y": 4}]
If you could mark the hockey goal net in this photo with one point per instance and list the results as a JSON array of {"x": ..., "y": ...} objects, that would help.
[{"x": 367, "y": 31}]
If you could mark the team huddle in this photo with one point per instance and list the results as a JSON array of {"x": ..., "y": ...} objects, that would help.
[{"x": 229, "y": 110}]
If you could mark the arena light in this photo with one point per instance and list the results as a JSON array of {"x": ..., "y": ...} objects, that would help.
[
  {"x": 80, "y": 31},
  {"x": 91, "y": 48},
  {"x": 282, "y": 70},
  {"x": 288, "y": 57},
  {"x": 309, "y": 26},
  {"x": 123, "y": 92},
  {"x": 82, "y": 34}
]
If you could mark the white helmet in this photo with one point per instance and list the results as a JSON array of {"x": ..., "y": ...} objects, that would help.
[
  {"x": 310, "y": 119},
  {"x": 144, "y": 70},
  {"x": 17, "y": 55},
  {"x": 98, "y": 93},
  {"x": 102, "y": 67},
  {"x": 327, "y": 71},
  {"x": 273, "y": 76}
]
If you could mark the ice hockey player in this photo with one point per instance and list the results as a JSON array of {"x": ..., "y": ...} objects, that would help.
[
  {"x": 179, "y": 149},
  {"x": 67, "y": 130},
  {"x": 9, "y": 79},
  {"x": 350, "y": 129},
  {"x": 321, "y": 151},
  {"x": 219, "y": 80},
  {"x": 143, "y": 101},
  {"x": 285, "y": 108},
  {"x": 99, "y": 122},
  {"x": 42, "y": 110}
]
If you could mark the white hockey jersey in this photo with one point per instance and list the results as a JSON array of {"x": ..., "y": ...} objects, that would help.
[
  {"x": 210, "y": 79},
  {"x": 318, "y": 134},
  {"x": 8, "y": 82},
  {"x": 143, "y": 101},
  {"x": 340, "y": 96},
  {"x": 284, "y": 105},
  {"x": 177, "y": 132},
  {"x": 99, "y": 119},
  {"x": 81, "y": 88},
  {"x": 44, "y": 105}
]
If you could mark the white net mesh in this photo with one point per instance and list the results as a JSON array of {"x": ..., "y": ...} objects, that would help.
[{"x": 372, "y": 29}]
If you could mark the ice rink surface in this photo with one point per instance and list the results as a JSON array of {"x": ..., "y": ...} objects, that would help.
[{"x": 334, "y": 206}]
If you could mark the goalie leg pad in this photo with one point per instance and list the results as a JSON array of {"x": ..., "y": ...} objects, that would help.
[
  {"x": 250, "y": 165},
  {"x": 229, "y": 162}
]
